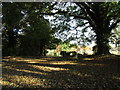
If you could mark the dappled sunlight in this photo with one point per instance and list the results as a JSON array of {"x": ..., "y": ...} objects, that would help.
[
  {"x": 57, "y": 72},
  {"x": 46, "y": 68},
  {"x": 7, "y": 83},
  {"x": 24, "y": 70},
  {"x": 115, "y": 77},
  {"x": 63, "y": 63},
  {"x": 31, "y": 60},
  {"x": 77, "y": 64},
  {"x": 22, "y": 59},
  {"x": 84, "y": 75},
  {"x": 47, "y": 58},
  {"x": 40, "y": 60},
  {"x": 88, "y": 58},
  {"x": 80, "y": 74},
  {"x": 0, "y": 66},
  {"x": 17, "y": 81}
]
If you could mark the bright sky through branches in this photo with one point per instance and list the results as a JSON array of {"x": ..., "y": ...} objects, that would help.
[{"x": 74, "y": 31}]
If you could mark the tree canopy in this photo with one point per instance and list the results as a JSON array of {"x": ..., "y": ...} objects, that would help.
[
  {"x": 25, "y": 22},
  {"x": 25, "y": 32}
]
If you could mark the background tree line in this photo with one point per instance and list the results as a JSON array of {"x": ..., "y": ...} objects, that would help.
[{"x": 25, "y": 31}]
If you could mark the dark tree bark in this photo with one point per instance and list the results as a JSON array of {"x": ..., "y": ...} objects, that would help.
[{"x": 102, "y": 45}]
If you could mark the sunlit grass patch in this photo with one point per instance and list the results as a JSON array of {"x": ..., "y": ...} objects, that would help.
[
  {"x": 77, "y": 73},
  {"x": 88, "y": 58},
  {"x": 22, "y": 81},
  {"x": 115, "y": 77},
  {"x": 9, "y": 84},
  {"x": 63, "y": 63},
  {"x": 46, "y": 68}
]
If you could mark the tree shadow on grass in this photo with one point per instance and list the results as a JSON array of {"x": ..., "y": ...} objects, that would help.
[{"x": 58, "y": 73}]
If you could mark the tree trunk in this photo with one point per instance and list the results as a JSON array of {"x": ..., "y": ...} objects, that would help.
[
  {"x": 102, "y": 43},
  {"x": 11, "y": 42},
  {"x": 44, "y": 53}
]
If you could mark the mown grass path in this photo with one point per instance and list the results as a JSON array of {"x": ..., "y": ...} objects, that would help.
[{"x": 58, "y": 72}]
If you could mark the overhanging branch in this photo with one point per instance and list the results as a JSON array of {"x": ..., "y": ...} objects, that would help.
[
  {"x": 90, "y": 20},
  {"x": 86, "y": 9},
  {"x": 83, "y": 24}
]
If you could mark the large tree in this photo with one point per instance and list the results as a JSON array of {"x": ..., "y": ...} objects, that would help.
[{"x": 101, "y": 17}]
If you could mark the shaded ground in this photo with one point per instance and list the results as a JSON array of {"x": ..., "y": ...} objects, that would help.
[{"x": 57, "y": 72}]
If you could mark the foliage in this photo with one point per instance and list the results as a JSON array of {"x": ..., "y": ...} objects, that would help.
[
  {"x": 115, "y": 36},
  {"x": 37, "y": 35},
  {"x": 53, "y": 43},
  {"x": 66, "y": 46},
  {"x": 11, "y": 19},
  {"x": 96, "y": 19},
  {"x": 25, "y": 32}
]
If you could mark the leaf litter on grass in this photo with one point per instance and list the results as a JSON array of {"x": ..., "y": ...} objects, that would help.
[{"x": 68, "y": 73}]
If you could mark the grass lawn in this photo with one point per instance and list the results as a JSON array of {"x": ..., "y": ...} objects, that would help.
[{"x": 58, "y": 72}]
